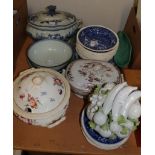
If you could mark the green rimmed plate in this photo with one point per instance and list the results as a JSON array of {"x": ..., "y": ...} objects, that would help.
[{"x": 124, "y": 52}]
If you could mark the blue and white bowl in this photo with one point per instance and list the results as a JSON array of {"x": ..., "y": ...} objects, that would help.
[
  {"x": 53, "y": 54},
  {"x": 96, "y": 139},
  {"x": 97, "y": 38}
]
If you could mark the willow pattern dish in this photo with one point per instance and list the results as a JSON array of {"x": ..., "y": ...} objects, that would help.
[
  {"x": 96, "y": 139},
  {"x": 41, "y": 97},
  {"x": 97, "y": 38},
  {"x": 83, "y": 75},
  {"x": 52, "y": 24}
]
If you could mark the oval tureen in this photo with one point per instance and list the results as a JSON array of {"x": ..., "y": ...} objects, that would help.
[
  {"x": 41, "y": 97},
  {"x": 52, "y": 24},
  {"x": 83, "y": 75}
]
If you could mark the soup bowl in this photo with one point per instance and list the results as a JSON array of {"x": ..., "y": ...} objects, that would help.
[{"x": 53, "y": 54}]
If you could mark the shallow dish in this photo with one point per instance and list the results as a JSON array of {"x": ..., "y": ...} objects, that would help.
[
  {"x": 123, "y": 56},
  {"x": 83, "y": 75},
  {"x": 54, "y": 54},
  {"x": 96, "y": 139},
  {"x": 97, "y": 38},
  {"x": 41, "y": 97}
]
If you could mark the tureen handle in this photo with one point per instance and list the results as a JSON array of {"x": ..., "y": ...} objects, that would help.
[
  {"x": 80, "y": 23},
  {"x": 57, "y": 122},
  {"x": 51, "y": 10}
]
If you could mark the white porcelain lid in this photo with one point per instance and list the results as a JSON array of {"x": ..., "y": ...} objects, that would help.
[
  {"x": 39, "y": 91},
  {"x": 85, "y": 74},
  {"x": 51, "y": 17}
]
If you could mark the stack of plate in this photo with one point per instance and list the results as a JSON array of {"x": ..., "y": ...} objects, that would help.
[
  {"x": 84, "y": 75},
  {"x": 96, "y": 42}
]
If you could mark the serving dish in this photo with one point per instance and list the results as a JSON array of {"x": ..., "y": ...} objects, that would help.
[
  {"x": 54, "y": 54},
  {"x": 83, "y": 75},
  {"x": 124, "y": 52},
  {"x": 52, "y": 24},
  {"x": 97, "y": 38},
  {"x": 41, "y": 97},
  {"x": 96, "y": 139},
  {"x": 112, "y": 114}
]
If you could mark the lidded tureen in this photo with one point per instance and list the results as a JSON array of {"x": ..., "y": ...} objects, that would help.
[
  {"x": 41, "y": 97},
  {"x": 52, "y": 24}
]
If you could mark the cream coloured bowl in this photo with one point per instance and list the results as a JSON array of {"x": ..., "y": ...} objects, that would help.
[{"x": 88, "y": 54}]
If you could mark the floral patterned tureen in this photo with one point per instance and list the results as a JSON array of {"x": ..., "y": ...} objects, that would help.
[{"x": 41, "y": 96}]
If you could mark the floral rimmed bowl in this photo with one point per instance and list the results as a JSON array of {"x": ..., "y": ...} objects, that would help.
[
  {"x": 41, "y": 97},
  {"x": 96, "y": 139},
  {"x": 97, "y": 38},
  {"x": 54, "y": 54}
]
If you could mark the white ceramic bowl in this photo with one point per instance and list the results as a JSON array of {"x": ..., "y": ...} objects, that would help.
[
  {"x": 97, "y": 38},
  {"x": 53, "y": 54},
  {"x": 88, "y": 54},
  {"x": 41, "y": 97},
  {"x": 83, "y": 75}
]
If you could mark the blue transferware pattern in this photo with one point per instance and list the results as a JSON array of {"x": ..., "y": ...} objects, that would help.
[
  {"x": 96, "y": 136},
  {"x": 51, "y": 24},
  {"x": 97, "y": 38},
  {"x": 52, "y": 18},
  {"x": 60, "y": 34}
]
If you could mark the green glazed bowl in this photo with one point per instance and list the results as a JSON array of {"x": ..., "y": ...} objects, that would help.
[{"x": 123, "y": 55}]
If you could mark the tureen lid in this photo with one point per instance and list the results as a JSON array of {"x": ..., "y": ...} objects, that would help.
[
  {"x": 39, "y": 91},
  {"x": 51, "y": 17},
  {"x": 85, "y": 74}
]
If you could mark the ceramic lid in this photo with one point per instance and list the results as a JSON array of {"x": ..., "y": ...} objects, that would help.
[
  {"x": 39, "y": 91},
  {"x": 51, "y": 18},
  {"x": 85, "y": 74}
]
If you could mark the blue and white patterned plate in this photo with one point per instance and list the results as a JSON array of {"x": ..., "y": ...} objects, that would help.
[
  {"x": 96, "y": 139},
  {"x": 97, "y": 38},
  {"x": 96, "y": 136}
]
